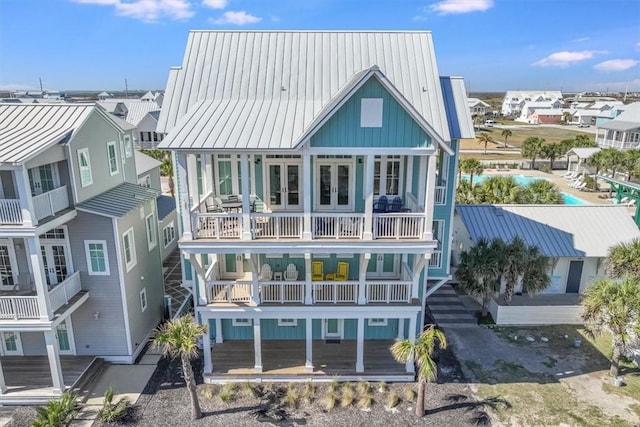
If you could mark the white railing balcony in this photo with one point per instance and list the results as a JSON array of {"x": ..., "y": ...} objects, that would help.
[
  {"x": 218, "y": 225},
  {"x": 64, "y": 291},
  {"x": 436, "y": 259},
  {"x": 282, "y": 292},
  {"x": 19, "y": 307},
  {"x": 379, "y": 291},
  {"x": 229, "y": 291},
  {"x": 337, "y": 226},
  {"x": 398, "y": 226},
  {"x": 280, "y": 225},
  {"x": 335, "y": 292},
  {"x": 51, "y": 202},
  {"x": 10, "y": 212},
  {"x": 440, "y": 195}
]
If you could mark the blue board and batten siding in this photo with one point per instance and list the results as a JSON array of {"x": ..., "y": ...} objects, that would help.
[
  {"x": 270, "y": 330},
  {"x": 398, "y": 129}
]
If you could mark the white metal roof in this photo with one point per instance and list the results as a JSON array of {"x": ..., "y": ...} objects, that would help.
[
  {"x": 136, "y": 110},
  {"x": 27, "y": 129},
  {"x": 265, "y": 88},
  {"x": 558, "y": 230},
  {"x": 456, "y": 105},
  {"x": 630, "y": 113},
  {"x": 584, "y": 152},
  {"x": 145, "y": 163},
  {"x": 475, "y": 101}
]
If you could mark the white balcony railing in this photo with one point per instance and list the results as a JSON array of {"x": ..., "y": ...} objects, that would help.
[
  {"x": 64, "y": 291},
  {"x": 398, "y": 226},
  {"x": 388, "y": 292},
  {"x": 51, "y": 202},
  {"x": 218, "y": 225},
  {"x": 436, "y": 259},
  {"x": 10, "y": 211},
  {"x": 277, "y": 225},
  {"x": 335, "y": 292},
  {"x": 19, "y": 307},
  {"x": 440, "y": 195},
  {"x": 282, "y": 292},
  {"x": 229, "y": 291},
  {"x": 337, "y": 226}
]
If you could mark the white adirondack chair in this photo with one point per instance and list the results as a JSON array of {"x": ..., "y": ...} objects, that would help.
[
  {"x": 266, "y": 273},
  {"x": 291, "y": 273}
]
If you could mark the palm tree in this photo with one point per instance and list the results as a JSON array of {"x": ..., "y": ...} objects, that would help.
[
  {"x": 566, "y": 117},
  {"x": 532, "y": 149},
  {"x": 552, "y": 151},
  {"x": 501, "y": 190},
  {"x": 465, "y": 193},
  {"x": 614, "y": 307},
  {"x": 478, "y": 271},
  {"x": 535, "y": 277},
  {"x": 624, "y": 259},
  {"x": 485, "y": 138},
  {"x": 596, "y": 161},
  {"x": 421, "y": 352},
  {"x": 543, "y": 192},
  {"x": 584, "y": 140},
  {"x": 179, "y": 338},
  {"x": 506, "y": 133},
  {"x": 630, "y": 162},
  {"x": 512, "y": 265},
  {"x": 471, "y": 167}
]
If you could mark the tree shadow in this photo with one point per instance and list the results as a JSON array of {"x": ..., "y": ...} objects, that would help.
[{"x": 477, "y": 408}]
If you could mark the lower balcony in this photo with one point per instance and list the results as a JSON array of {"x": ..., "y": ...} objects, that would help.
[{"x": 21, "y": 307}]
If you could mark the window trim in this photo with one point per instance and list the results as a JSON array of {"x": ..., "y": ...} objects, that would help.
[
  {"x": 87, "y": 253},
  {"x": 85, "y": 152},
  {"x": 144, "y": 303},
  {"x": 151, "y": 242},
  {"x": 171, "y": 226},
  {"x": 128, "y": 145},
  {"x": 115, "y": 157},
  {"x": 132, "y": 263},
  {"x": 288, "y": 322},
  {"x": 239, "y": 322},
  {"x": 372, "y": 321}
]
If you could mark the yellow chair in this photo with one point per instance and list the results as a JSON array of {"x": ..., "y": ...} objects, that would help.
[
  {"x": 317, "y": 271},
  {"x": 342, "y": 274}
]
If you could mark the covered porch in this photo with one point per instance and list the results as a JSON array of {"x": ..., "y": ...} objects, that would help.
[{"x": 286, "y": 359}]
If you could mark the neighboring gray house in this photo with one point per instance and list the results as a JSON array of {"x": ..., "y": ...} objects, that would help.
[
  {"x": 149, "y": 176},
  {"x": 576, "y": 239},
  {"x": 80, "y": 253}
]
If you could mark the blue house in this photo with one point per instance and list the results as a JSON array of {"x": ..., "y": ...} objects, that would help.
[{"x": 315, "y": 181}]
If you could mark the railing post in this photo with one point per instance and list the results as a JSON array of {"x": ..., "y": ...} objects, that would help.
[
  {"x": 14, "y": 308},
  {"x": 368, "y": 198},
  {"x": 306, "y": 196}
]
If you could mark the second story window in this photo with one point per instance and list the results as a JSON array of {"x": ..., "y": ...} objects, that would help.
[
  {"x": 128, "y": 147},
  {"x": 129, "y": 248},
  {"x": 84, "y": 165},
  {"x": 150, "y": 223},
  {"x": 386, "y": 175},
  {"x": 112, "y": 155},
  {"x": 97, "y": 261}
]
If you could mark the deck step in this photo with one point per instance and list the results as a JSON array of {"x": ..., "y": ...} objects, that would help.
[
  {"x": 448, "y": 310},
  {"x": 84, "y": 384}
]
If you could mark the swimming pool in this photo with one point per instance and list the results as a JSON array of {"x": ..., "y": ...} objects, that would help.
[{"x": 526, "y": 180}]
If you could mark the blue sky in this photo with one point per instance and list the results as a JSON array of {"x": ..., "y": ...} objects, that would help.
[{"x": 570, "y": 45}]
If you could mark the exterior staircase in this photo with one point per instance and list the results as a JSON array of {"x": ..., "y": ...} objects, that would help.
[{"x": 448, "y": 310}]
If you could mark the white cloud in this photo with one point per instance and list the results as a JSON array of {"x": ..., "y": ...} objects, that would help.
[
  {"x": 580, "y": 40},
  {"x": 566, "y": 58},
  {"x": 616, "y": 65},
  {"x": 16, "y": 86},
  {"x": 147, "y": 10},
  {"x": 215, "y": 4},
  {"x": 236, "y": 18},
  {"x": 446, "y": 7},
  {"x": 419, "y": 18}
]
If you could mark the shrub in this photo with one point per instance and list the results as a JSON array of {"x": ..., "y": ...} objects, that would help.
[
  {"x": 291, "y": 396},
  {"x": 330, "y": 400},
  {"x": 365, "y": 401},
  {"x": 545, "y": 169},
  {"x": 249, "y": 390},
  {"x": 228, "y": 393},
  {"x": 57, "y": 413},
  {"x": 409, "y": 394},
  {"x": 110, "y": 411},
  {"x": 309, "y": 391},
  {"x": 348, "y": 395},
  {"x": 208, "y": 391},
  {"x": 382, "y": 387},
  {"x": 393, "y": 399},
  {"x": 334, "y": 385},
  {"x": 363, "y": 387}
]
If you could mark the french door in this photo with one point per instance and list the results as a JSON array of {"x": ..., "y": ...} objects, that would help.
[
  {"x": 283, "y": 183},
  {"x": 55, "y": 262},
  {"x": 332, "y": 328},
  {"x": 43, "y": 179},
  {"x": 383, "y": 266},
  {"x": 64, "y": 335},
  {"x": 235, "y": 265},
  {"x": 334, "y": 190},
  {"x": 8, "y": 270}
]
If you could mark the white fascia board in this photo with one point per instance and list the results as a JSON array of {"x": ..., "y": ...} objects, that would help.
[
  {"x": 261, "y": 247},
  {"x": 309, "y": 311}
]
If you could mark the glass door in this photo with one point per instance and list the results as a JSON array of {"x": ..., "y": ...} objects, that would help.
[
  {"x": 383, "y": 266},
  {"x": 335, "y": 189},
  {"x": 235, "y": 266},
  {"x": 284, "y": 186},
  {"x": 275, "y": 186},
  {"x": 65, "y": 337},
  {"x": 42, "y": 179},
  {"x": 294, "y": 201},
  {"x": 54, "y": 261},
  {"x": 333, "y": 328},
  {"x": 7, "y": 265},
  {"x": 11, "y": 344}
]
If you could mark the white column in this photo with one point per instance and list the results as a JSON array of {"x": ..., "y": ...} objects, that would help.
[
  {"x": 360, "y": 346},
  {"x": 368, "y": 197},
  {"x": 362, "y": 278},
  {"x": 308, "y": 285},
  {"x": 422, "y": 181},
  {"x": 257, "y": 345},
  {"x": 54, "y": 361},
  {"x": 429, "y": 199},
  {"x": 255, "y": 284},
  {"x": 21, "y": 178},
  {"x": 202, "y": 283},
  {"x": 192, "y": 178},
  {"x": 401, "y": 328},
  {"x": 306, "y": 196},
  {"x": 308, "y": 364},
  {"x": 44, "y": 305},
  {"x": 412, "y": 340},
  {"x": 3, "y": 385},
  {"x": 408, "y": 183},
  {"x": 219, "y": 337},
  {"x": 420, "y": 262},
  {"x": 183, "y": 204},
  {"x": 207, "y": 173},
  {"x": 246, "y": 201},
  {"x": 206, "y": 349}
]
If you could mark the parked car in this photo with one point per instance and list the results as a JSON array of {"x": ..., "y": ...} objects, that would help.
[
  {"x": 583, "y": 125},
  {"x": 489, "y": 123}
]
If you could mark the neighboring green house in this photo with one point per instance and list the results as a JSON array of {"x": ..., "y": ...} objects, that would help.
[{"x": 315, "y": 179}]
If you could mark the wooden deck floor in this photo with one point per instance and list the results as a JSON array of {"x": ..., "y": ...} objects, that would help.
[
  {"x": 30, "y": 375},
  {"x": 287, "y": 357}
]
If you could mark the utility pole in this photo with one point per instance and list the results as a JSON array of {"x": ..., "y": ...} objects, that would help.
[
  {"x": 40, "y": 79},
  {"x": 126, "y": 88}
]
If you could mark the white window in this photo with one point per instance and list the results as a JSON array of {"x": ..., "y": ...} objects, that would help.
[
  {"x": 84, "y": 165},
  {"x": 129, "y": 247},
  {"x": 287, "y": 322},
  {"x": 168, "y": 234},
  {"x": 152, "y": 238},
  {"x": 112, "y": 155},
  {"x": 371, "y": 112},
  {"x": 241, "y": 322},
  {"x": 438, "y": 231},
  {"x": 145, "y": 181},
  {"x": 143, "y": 299},
  {"x": 386, "y": 175},
  {"x": 377, "y": 322},
  {"x": 97, "y": 259},
  {"x": 128, "y": 147}
]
